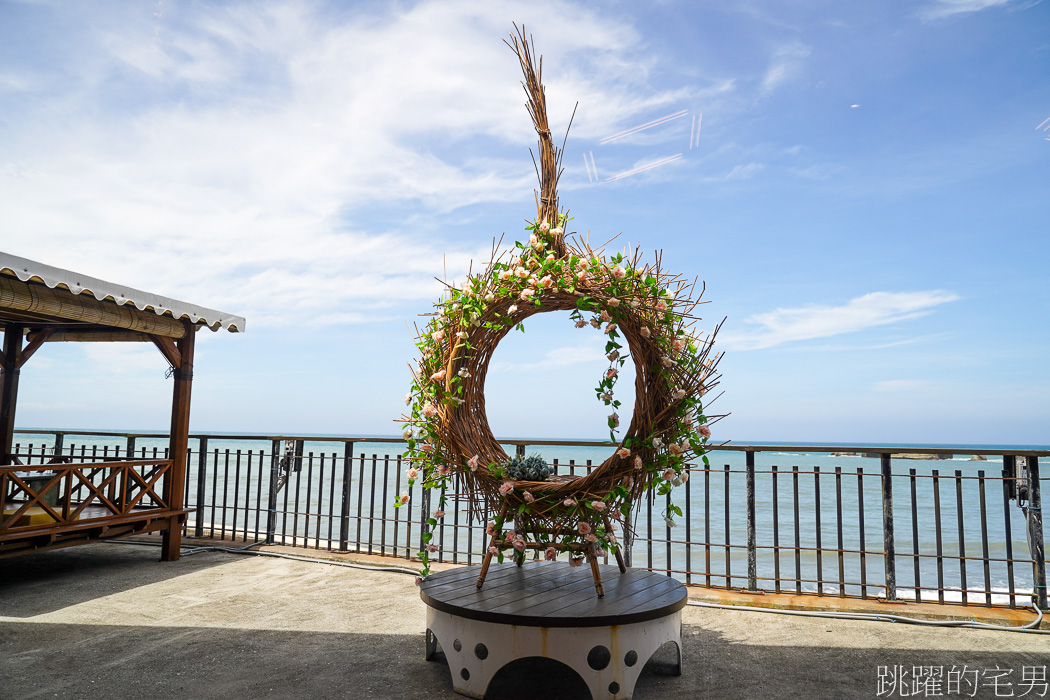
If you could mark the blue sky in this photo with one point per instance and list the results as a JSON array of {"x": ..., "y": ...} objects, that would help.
[{"x": 860, "y": 185}]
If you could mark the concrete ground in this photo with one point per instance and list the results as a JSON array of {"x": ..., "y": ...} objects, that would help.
[{"x": 111, "y": 621}]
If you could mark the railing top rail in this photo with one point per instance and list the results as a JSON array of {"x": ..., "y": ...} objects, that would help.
[{"x": 734, "y": 447}]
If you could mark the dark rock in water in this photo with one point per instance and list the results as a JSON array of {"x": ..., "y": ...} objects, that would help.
[
  {"x": 843, "y": 454},
  {"x": 978, "y": 458},
  {"x": 920, "y": 455}
]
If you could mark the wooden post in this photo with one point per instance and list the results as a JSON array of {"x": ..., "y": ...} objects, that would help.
[
  {"x": 9, "y": 388},
  {"x": 175, "y": 484}
]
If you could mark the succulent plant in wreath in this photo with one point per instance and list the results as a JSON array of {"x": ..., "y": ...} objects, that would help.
[{"x": 647, "y": 317}]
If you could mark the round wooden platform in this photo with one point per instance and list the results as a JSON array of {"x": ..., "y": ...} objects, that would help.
[{"x": 553, "y": 594}]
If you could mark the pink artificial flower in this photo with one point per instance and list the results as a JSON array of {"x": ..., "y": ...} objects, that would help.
[
  {"x": 611, "y": 372},
  {"x": 583, "y": 527},
  {"x": 432, "y": 548},
  {"x": 473, "y": 463},
  {"x": 438, "y": 336},
  {"x": 544, "y": 227},
  {"x": 533, "y": 239},
  {"x": 598, "y": 551},
  {"x": 667, "y": 361},
  {"x": 505, "y": 488},
  {"x": 607, "y": 397},
  {"x": 705, "y": 431},
  {"x": 614, "y": 419},
  {"x": 668, "y": 474},
  {"x": 429, "y": 410},
  {"x": 575, "y": 561},
  {"x": 545, "y": 282},
  {"x": 685, "y": 476},
  {"x": 679, "y": 345},
  {"x": 609, "y": 328},
  {"x": 404, "y": 498},
  {"x": 581, "y": 323},
  {"x": 438, "y": 376},
  {"x": 581, "y": 276},
  {"x": 443, "y": 470},
  {"x": 493, "y": 551},
  {"x": 606, "y": 316},
  {"x": 426, "y": 447},
  {"x": 591, "y": 537},
  {"x": 490, "y": 528},
  {"x": 595, "y": 323},
  {"x": 623, "y": 452},
  {"x": 568, "y": 503},
  {"x": 645, "y": 331},
  {"x": 611, "y": 537},
  {"x": 598, "y": 505},
  {"x": 679, "y": 395},
  {"x": 526, "y": 294},
  {"x": 529, "y": 498},
  {"x": 661, "y": 305},
  {"x": 614, "y": 302},
  {"x": 512, "y": 310},
  {"x": 521, "y": 272},
  {"x": 419, "y": 580},
  {"x": 504, "y": 275},
  {"x": 550, "y": 553},
  {"x": 511, "y": 535},
  {"x": 412, "y": 474},
  {"x": 619, "y": 273},
  {"x": 637, "y": 462},
  {"x": 439, "y": 514},
  {"x": 614, "y": 356},
  {"x": 519, "y": 544},
  {"x": 675, "y": 448}
]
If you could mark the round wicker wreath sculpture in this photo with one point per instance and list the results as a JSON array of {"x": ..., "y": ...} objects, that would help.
[{"x": 646, "y": 314}]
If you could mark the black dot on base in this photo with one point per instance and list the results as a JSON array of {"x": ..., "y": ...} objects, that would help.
[
  {"x": 481, "y": 651},
  {"x": 464, "y": 674},
  {"x": 630, "y": 658},
  {"x": 598, "y": 658},
  {"x": 457, "y": 645},
  {"x": 614, "y": 687}
]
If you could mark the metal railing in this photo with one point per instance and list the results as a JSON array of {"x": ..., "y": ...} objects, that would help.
[{"x": 845, "y": 521}]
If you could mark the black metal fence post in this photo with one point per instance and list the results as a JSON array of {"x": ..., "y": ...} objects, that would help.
[
  {"x": 887, "y": 526},
  {"x": 752, "y": 559},
  {"x": 271, "y": 505},
  {"x": 344, "y": 510},
  {"x": 202, "y": 479},
  {"x": 1035, "y": 533},
  {"x": 57, "y": 451},
  {"x": 424, "y": 513}
]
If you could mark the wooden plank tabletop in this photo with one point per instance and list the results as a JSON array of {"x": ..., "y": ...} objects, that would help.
[{"x": 553, "y": 594}]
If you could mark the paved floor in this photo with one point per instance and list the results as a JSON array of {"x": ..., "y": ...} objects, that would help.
[{"x": 110, "y": 621}]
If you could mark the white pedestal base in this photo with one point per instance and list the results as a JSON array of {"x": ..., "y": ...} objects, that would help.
[{"x": 608, "y": 658}]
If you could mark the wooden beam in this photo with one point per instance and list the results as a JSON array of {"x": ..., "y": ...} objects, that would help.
[
  {"x": 35, "y": 342},
  {"x": 63, "y": 304},
  {"x": 12, "y": 353},
  {"x": 175, "y": 484},
  {"x": 91, "y": 334},
  {"x": 168, "y": 349}
]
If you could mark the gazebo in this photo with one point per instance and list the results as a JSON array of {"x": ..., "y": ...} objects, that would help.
[{"x": 62, "y": 503}]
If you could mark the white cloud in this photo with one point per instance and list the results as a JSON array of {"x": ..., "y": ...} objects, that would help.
[
  {"x": 902, "y": 385},
  {"x": 739, "y": 172},
  {"x": 588, "y": 352},
  {"x": 809, "y": 322},
  {"x": 242, "y": 156},
  {"x": 784, "y": 64},
  {"x": 946, "y": 8}
]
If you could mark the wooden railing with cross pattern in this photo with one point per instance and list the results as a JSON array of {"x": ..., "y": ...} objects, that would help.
[{"x": 63, "y": 497}]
